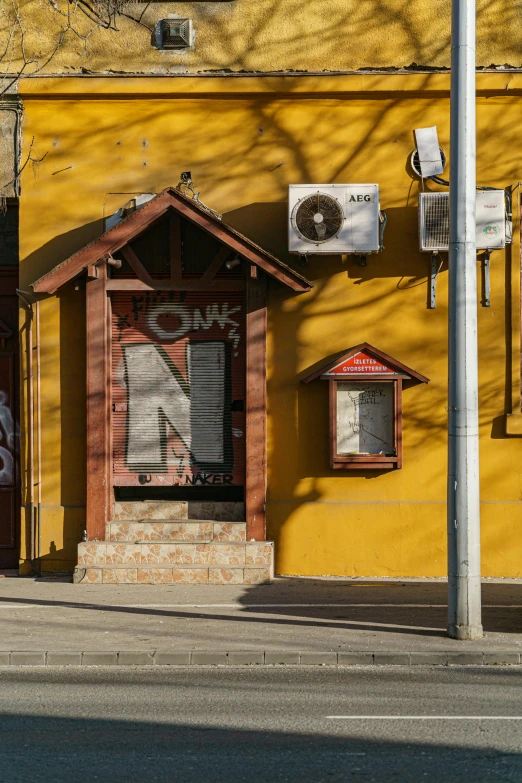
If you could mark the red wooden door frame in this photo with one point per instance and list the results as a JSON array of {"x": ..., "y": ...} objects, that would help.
[
  {"x": 256, "y": 462},
  {"x": 99, "y": 414},
  {"x": 98, "y": 411}
]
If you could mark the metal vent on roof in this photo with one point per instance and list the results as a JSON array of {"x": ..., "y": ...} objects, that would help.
[{"x": 174, "y": 34}]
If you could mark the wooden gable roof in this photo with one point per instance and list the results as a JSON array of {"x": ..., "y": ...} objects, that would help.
[
  {"x": 135, "y": 224},
  {"x": 387, "y": 365}
]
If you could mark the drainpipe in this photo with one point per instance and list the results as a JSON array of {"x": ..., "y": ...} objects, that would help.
[
  {"x": 30, "y": 417},
  {"x": 38, "y": 437},
  {"x": 464, "y": 599}
]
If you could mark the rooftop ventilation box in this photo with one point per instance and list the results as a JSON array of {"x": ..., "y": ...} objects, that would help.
[{"x": 333, "y": 219}]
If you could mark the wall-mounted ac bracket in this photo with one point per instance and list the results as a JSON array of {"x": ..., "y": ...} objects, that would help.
[
  {"x": 486, "y": 279},
  {"x": 432, "y": 300}
]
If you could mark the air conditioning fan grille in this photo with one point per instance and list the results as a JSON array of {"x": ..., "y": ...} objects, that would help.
[
  {"x": 436, "y": 221},
  {"x": 318, "y": 218}
]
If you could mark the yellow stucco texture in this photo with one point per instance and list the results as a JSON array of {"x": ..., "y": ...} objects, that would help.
[
  {"x": 243, "y": 153},
  {"x": 266, "y": 35},
  {"x": 63, "y": 486}
]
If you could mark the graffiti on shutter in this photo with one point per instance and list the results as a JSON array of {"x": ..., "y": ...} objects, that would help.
[
  {"x": 8, "y": 426},
  {"x": 178, "y": 389}
]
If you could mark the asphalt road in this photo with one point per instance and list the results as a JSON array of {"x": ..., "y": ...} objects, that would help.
[{"x": 260, "y": 725}]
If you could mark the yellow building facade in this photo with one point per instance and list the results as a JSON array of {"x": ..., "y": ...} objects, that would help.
[{"x": 95, "y": 141}]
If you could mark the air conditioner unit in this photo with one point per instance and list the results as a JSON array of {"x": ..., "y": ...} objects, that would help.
[
  {"x": 434, "y": 221},
  {"x": 333, "y": 219}
]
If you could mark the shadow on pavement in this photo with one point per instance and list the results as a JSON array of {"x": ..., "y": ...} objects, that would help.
[
  {"x": 43, "y": 748},
  {"x": 410, "y": 608},
  {"x": 398, "y": 607}
]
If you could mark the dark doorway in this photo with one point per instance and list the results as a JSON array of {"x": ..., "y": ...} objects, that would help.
[{"x": 9, "y": 391}]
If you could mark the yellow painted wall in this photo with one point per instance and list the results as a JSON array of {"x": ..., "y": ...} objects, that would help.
[
  {"x": 259, "y": 35},
  {"x": 245, "y": 140}
]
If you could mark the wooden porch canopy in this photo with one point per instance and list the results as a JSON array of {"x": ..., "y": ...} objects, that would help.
[
  {"x": 118, "y": 237},
  {"x": 169, "y": 209}
]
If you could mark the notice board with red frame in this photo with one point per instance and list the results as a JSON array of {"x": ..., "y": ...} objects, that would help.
[{"x": 365, "y": 408}]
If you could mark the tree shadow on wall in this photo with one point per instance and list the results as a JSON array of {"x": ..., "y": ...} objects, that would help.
[
  {"x": 392, "y": 287},
  {"x": 300, "y": 418},
  {"x": 63, "y": 402}
]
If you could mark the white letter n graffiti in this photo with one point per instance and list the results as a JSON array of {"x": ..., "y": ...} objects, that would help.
[{"x": 158, "y": 396}]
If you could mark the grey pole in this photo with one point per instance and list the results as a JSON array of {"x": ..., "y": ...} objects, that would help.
[{"x": 464, "y": 599}]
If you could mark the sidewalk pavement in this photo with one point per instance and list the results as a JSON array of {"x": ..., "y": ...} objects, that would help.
[{"x": 293, "y": 621}]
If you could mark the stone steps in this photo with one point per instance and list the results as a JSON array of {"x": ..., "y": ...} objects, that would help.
[
  {"x": 203, "y": 531},
  {"x": 137, "y": 510},
  {"x": 239, "y": 553},
  {"x": 183, "y": 562},
  {"x": 160, "y": 574},
  {"x": 175, "y": 542}
]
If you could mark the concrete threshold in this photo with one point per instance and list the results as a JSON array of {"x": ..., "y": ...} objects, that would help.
[{"x": 32, "y": 658}]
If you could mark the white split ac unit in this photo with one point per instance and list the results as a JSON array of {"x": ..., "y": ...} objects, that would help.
[
  {"x": 333, "y": 219},
  {"x": 434, "y": 221}
]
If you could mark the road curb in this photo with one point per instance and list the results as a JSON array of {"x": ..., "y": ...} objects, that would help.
[{"x": 253, "y": 658}]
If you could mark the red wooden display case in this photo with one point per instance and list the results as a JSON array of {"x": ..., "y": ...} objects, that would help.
[{"x": 365, "y": 408}]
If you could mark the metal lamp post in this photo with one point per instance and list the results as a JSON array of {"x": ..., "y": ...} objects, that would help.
[{"x": 464, "y": 598}]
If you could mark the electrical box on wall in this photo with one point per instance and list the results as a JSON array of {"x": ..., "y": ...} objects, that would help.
[
  {"x": 333, "y": 219},
  {"x": 434, "y": 221},
  {"x": 491, "y": 219},
  {"x": 131, "y": 206},
  {"x": 365, "y": 408}
]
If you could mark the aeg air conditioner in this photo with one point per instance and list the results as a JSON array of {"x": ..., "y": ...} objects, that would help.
[
  {"x": 434, "y": 221},
  {"x": 333, "y": 219}
]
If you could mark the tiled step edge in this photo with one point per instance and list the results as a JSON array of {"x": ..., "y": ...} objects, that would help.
[
  {"x": 256, "y": 657},
  {"x": 134, "y": 510},
  {"x": 179, "y": 574},
  {"x": 175, "y": 553},
  {"x": 175, "y": 530}
]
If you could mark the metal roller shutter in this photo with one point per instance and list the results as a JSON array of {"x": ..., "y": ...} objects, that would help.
[{"x": 178, "y": 388}]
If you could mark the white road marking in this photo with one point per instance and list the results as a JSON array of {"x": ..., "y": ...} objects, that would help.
[
  {"x": 75, "y": 605},
  {"x": 423, "y": 717},
  {"x": 316, "y": 606}
]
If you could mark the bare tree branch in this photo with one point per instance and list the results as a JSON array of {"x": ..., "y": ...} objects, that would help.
[
  {"x": 77, "y": 19},
  {"x": 29, "y": 159}
]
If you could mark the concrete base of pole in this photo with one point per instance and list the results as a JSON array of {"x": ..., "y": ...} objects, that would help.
[
  {"x": 464, "y": 595},
  {"x": 465, "y": 632}
]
